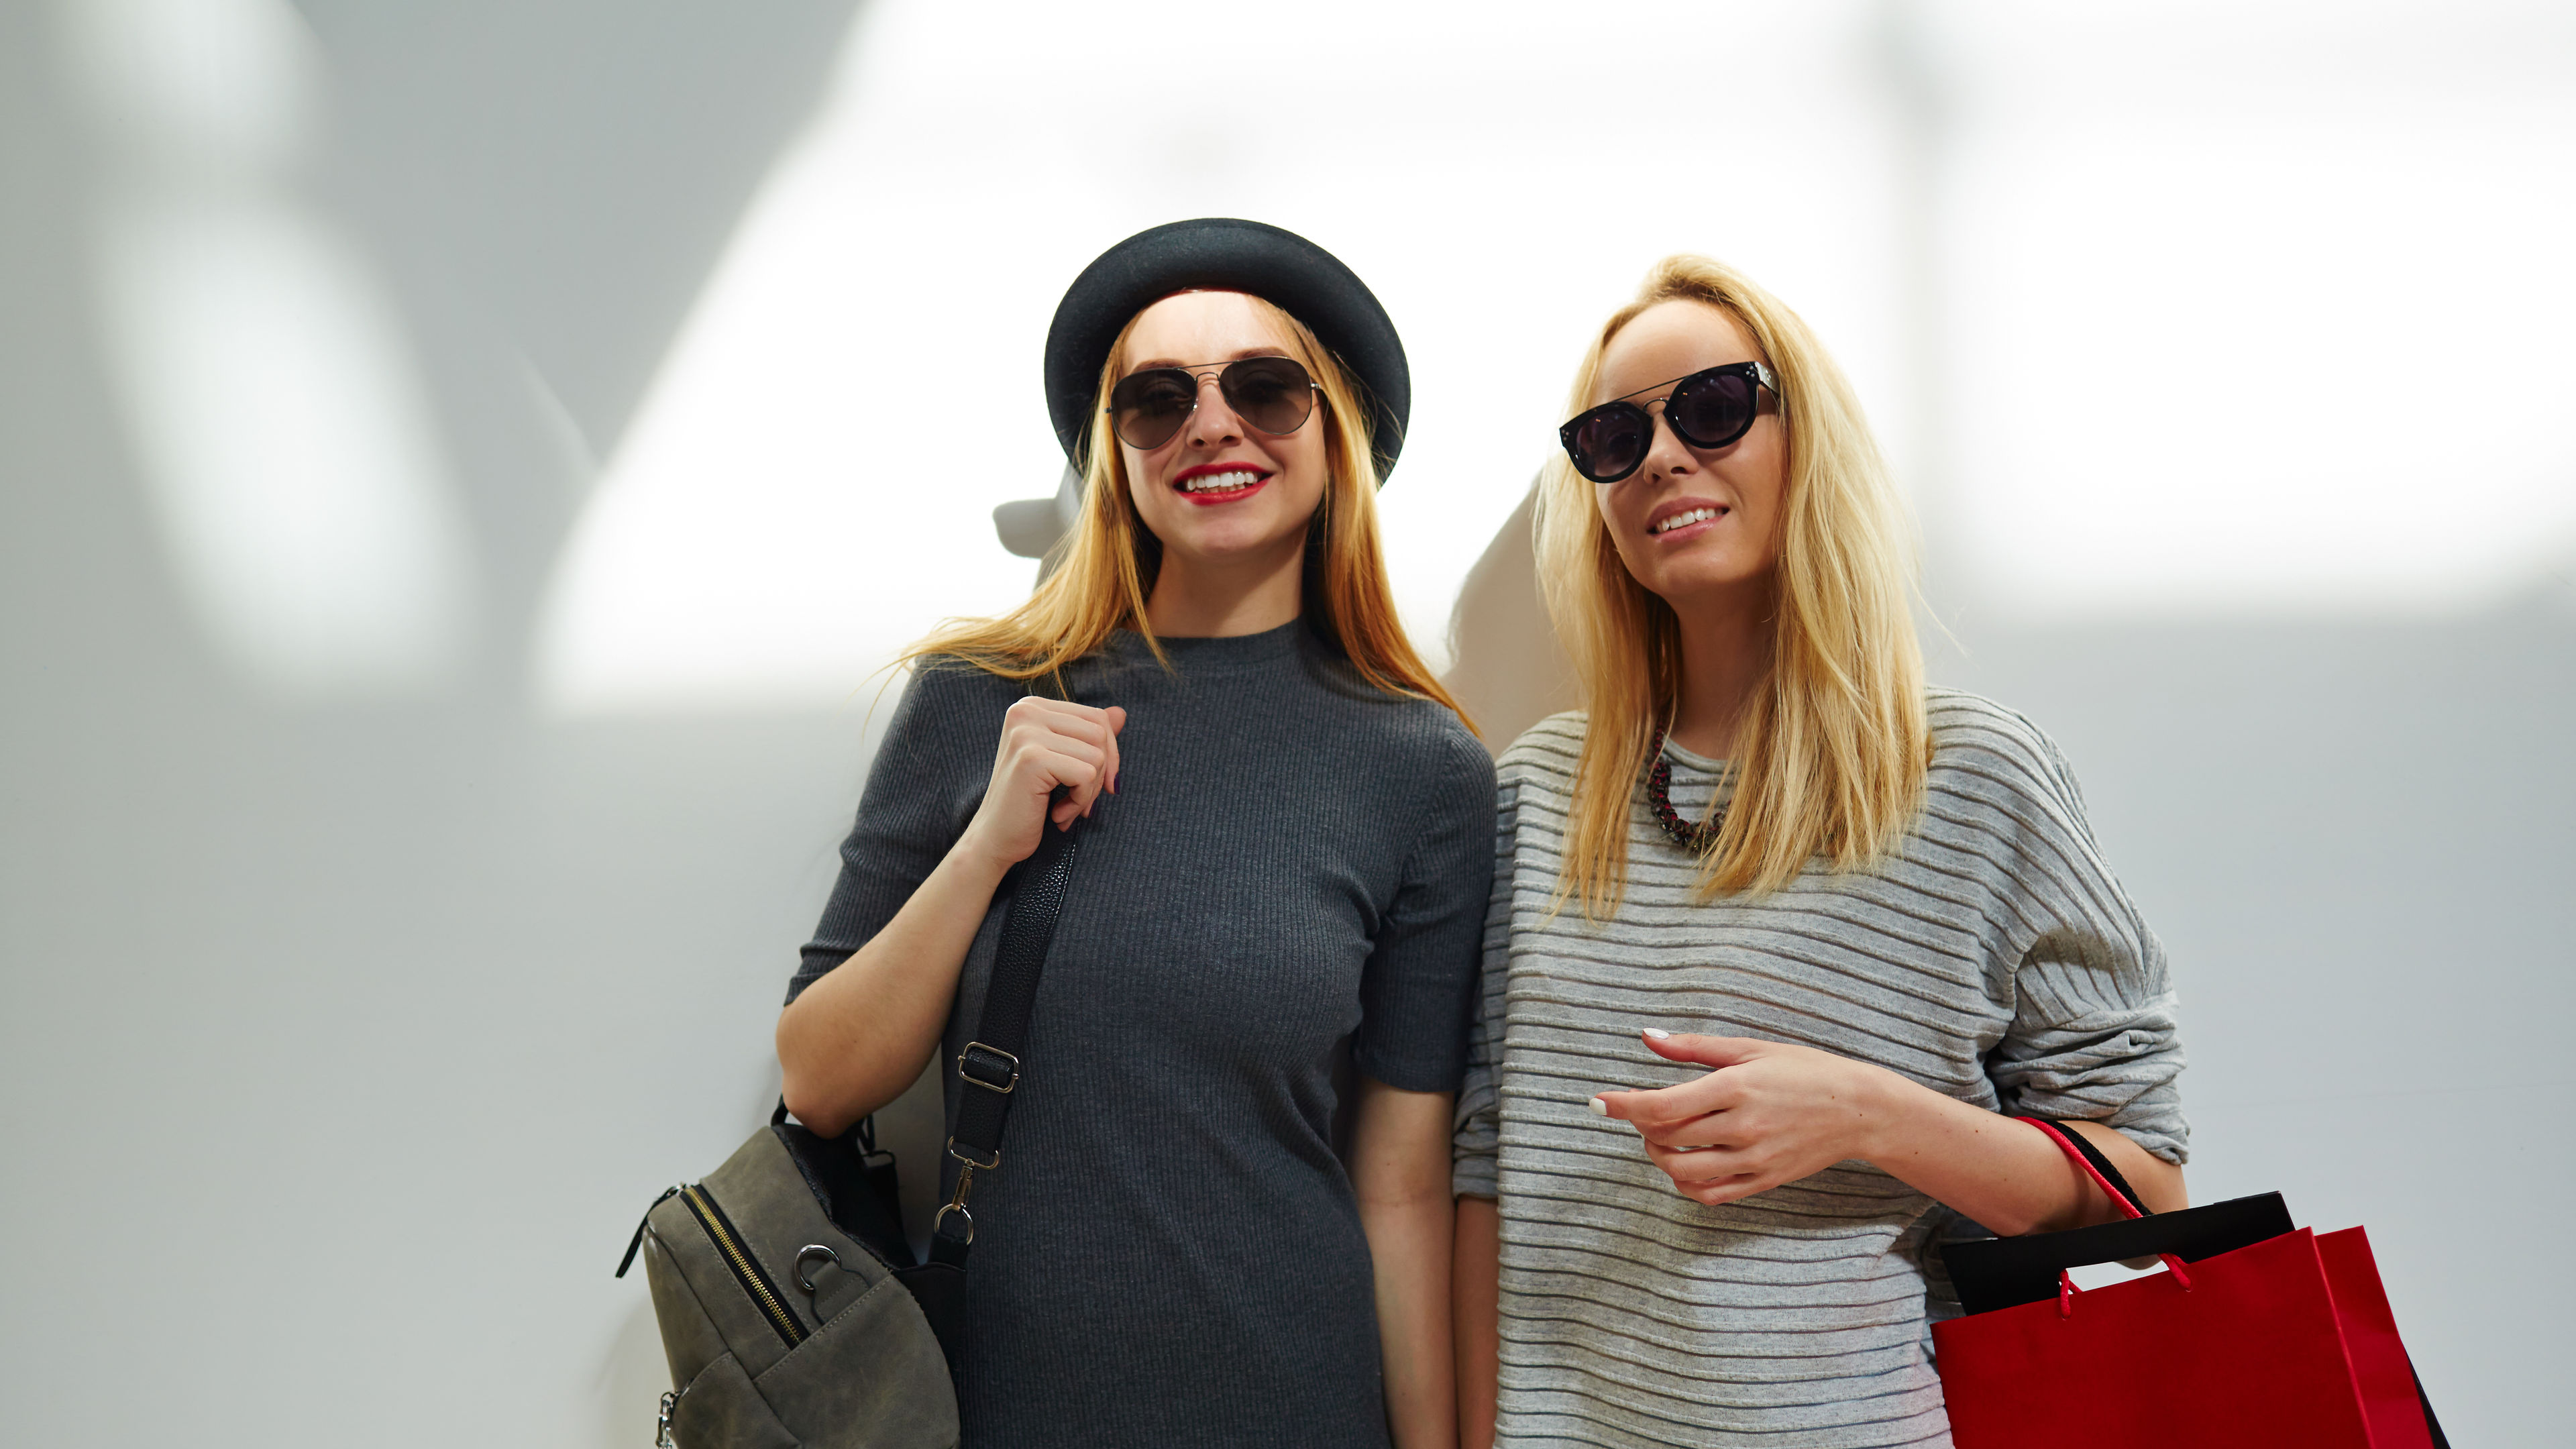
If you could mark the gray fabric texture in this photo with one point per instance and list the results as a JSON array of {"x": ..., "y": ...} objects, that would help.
[
  {"x": 1994, "y": 959},
  {"x": 720, "y": 1406},
  {"x": 1292, "y": 876}
]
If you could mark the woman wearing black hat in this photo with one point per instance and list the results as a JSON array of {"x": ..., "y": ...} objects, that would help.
[{"x": 1286, "y": 840}]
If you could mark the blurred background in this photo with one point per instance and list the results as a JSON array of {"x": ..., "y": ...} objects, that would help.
[{"x": 463, "y": 466}]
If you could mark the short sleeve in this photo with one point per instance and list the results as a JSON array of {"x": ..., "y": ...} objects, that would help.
[
  {"x": 2095, "y": 1033},
  {"x": 1417, "y": 987},
  {"x": 1478, "y": 1139},
  {"x": 924, "y": 786}
]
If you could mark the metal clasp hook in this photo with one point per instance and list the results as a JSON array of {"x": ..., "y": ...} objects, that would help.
[{"x": 957, "y": 1205}]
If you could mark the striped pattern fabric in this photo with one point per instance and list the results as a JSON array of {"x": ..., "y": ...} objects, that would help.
[{"x": 1993, "y": 958}]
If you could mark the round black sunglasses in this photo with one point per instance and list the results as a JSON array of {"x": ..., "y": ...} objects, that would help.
[
  {"x": 1708, "y": 409},
  {"x": 1272, "y": 394}
]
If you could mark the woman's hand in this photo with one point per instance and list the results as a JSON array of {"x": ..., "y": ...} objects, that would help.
[
  {"x": 1046, "y": 743},
  {"x": 1769, "y": 1114},
  {"x": 859, "y": 1036}
]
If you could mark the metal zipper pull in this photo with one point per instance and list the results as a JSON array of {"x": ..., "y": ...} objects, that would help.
[{"x": 662, "y": 1424}]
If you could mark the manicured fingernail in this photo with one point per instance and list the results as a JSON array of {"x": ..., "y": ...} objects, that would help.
[
  {"x": 1600, "y": 1108},
  {"x": 1658, "y": 1033}
]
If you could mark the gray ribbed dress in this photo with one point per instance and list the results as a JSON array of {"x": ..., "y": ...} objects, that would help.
[
  {"x": 1291, "y": 877},
  {"x": 1994, "y": 959}
]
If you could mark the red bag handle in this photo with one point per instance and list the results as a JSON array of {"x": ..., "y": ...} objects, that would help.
[
  {"x": 2082, "y": 1159},
  {"x": 2078, "y": 1154}
]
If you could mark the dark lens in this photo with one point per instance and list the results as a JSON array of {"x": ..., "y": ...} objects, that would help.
[
  {"x": 1711, "y": 409},
  {"x": 1273, "y": 394},
  {"x": 1608, "y": 442},
  {"x": 1148, "y": 407}
]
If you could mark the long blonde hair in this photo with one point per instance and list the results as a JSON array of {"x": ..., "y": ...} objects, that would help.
[
  {"x": 1832, "y": 747},
  {"x": 1100, "y": 573}
]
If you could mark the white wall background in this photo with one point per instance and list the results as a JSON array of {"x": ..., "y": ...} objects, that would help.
[{"x": 460, "y": 464}]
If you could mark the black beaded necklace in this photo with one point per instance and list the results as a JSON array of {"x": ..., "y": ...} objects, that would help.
[{"x": 1697, "y": 839}]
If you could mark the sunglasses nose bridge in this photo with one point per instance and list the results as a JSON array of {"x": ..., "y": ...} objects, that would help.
[
  {"x": 1202, "y": 420},
  {"x": 1660, "y": 434}
]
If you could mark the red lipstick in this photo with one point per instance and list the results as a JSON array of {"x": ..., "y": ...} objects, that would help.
[{"x": 1210, "y": 497}]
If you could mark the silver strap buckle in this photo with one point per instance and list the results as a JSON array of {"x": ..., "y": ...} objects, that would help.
[{"x": 989, "y": 1067}]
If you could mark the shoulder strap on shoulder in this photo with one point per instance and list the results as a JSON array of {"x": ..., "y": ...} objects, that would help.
[{"x": 988, "y": 1070}]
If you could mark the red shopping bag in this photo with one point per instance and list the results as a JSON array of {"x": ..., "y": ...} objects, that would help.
[{"x": 2284, "y": 1340}]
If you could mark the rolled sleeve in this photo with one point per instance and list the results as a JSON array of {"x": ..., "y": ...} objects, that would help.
[
  {"x": 2118, "y": 1064},
  {"x": 2096, "y": 1034}
]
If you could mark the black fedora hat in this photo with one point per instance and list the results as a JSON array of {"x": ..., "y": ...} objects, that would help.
[{"x": 1225, "y": 254}]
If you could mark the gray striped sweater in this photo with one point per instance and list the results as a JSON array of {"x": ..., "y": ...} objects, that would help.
[{"x": 1993, "y": 958}]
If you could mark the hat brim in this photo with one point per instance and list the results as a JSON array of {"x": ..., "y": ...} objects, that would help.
[{"x": 1231, "y": 255}]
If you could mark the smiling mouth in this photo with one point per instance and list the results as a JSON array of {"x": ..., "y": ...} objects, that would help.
[
  {"x": 1686, "y": 518},
  {"x": 1233, "y": 480}
]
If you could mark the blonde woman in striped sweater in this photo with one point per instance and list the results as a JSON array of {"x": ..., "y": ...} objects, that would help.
[{"x": 1777, "y": 934}]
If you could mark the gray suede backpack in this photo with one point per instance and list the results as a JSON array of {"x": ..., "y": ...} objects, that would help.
[{"x": 791, "y": 1307}]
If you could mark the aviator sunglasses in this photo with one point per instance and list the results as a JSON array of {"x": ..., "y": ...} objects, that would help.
[
  {"x": 1271, "y": 394},
  {"x": 1708, "y": 409}
]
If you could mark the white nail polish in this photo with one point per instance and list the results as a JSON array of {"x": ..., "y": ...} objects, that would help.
[
  {"x": 1658, "y": 1033},
  {"x": 1599, "y": 1107}
]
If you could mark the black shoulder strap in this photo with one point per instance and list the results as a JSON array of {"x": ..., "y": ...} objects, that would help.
[{"x": 988, "y": 1070}]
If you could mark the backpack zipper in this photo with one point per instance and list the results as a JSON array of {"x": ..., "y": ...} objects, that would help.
[{"x": 729, "y": 1246}]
